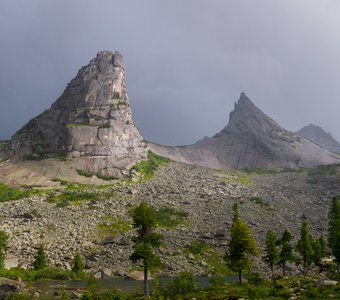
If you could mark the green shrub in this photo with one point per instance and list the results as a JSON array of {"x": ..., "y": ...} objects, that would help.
[
  {"x": 325, "y": 170},
  {"x": 182, "y": 284},
  {"x": 78, "y": 265},
  {"x": 40, "y": 259},
  {"x": 169, "y": 217}
]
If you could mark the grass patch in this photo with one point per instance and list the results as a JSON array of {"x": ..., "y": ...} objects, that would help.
[
  {"x": 113, "y": 226},
  {"x": 217, "y": 264},
  {"x": 243, "y": 179},
  {"x": 8, "y": 193},
  {"x": 70, "y": 186},
  {"x": 258, "y": 170},
  {"x": 147, "y": 167},
  {"x": 76, "y": 197},
  {"x": 169, "y": 217}
]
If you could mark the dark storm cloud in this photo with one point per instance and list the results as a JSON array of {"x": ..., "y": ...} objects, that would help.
[{"x": 186, "y": 61}]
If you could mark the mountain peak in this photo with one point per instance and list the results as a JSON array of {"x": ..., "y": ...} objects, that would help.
[{"x": 91, "y": 122}]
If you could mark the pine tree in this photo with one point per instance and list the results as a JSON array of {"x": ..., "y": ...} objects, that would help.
[
  {"x": 286, "y": 250},
  {"x": 334, "y": 230},
  {"x": 317, "y": 251},
  {"x": 241, "y": 246},
  {"x": 304, "y": 246},
  {"x": 322, "y": 246},
  {"x": 146, "y": 241},
  {"x": 272, "y": 254},
  {"x": 3, "y": 247},
  {"x": 78, "y": 265},
  {"x": 40, "y": 259}
]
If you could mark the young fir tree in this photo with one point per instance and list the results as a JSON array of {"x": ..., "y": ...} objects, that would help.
[
  {"x": 241, "y": 246},
  {"x": 334, "y": 230},
  {"x": 40, "y": 259},
  {"x": 286, "y": 250},
  {"x": 272, "y": 254},
  {"x": 317, "y": 251},
  {"x": 78, "y": 265},
  {"x": 3, "y": 247},
  {"x": 146, "y": 241},
  {"x": 322, "y": 246},
  {"x": 304, "y": 246}
]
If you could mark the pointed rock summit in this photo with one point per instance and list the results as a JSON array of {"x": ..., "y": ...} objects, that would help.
[
  {"x": 320, "y": 137},
  {"x": 251, "y": 139},
  {"x": 90, "y": 123}
]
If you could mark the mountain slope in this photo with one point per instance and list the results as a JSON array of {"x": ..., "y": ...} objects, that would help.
[
  {"x": 251, "y": 139},
  {"x": 318, "y": 136}
]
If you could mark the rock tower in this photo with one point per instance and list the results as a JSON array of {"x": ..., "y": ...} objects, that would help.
[{"x": 91, "y": 122}]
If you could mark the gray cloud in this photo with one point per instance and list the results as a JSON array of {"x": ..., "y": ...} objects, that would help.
[{"x": 186, "y": 61}]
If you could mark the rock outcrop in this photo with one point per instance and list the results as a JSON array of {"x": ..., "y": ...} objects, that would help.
[
  {"x": 251, "y": 139},
  {"x": 91, "y": 122},
  {"x": 320, "y": 137}
]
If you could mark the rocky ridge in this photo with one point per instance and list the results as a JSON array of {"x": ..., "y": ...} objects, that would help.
[
  {"x": 90, "y": 123},
  {"x": 274, "y": 200},
  {"x": 251, "y": 139},
  {"x": 318, "y": 136}
]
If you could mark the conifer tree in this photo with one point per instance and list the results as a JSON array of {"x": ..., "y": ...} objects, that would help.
[
  {"x": 40, "y": 259},
  {"x": 241, "y": 246},
  {"x": 146, "y": 241},
  {"x": 317, "y": 251},
  {"x": 78, "y": 265},
  {"x": 322, "y": 246},
  {"x": 272, "y": 254},
  {"x": 286, "y": 250},
  {"x": 304, "y": 246},
  {"x": 334, "y": 230},
  {"x": 3, "y": 247}
]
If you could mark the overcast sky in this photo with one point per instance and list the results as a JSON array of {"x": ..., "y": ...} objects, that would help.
[{"x": 186, "y": 61}]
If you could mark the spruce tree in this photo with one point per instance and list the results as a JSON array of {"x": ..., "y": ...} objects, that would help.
[
  {"x": 78, "y": 265},
  {"x": 40, "y": 259},
  {"x": 3, "y": 247},
  {"x": 304, "y": 246},
  {"x": 286, "y": 250},
  {"x": 317, "y": 251},
  {"x": 334, "y": 230},
  {"x": 146, "y": 241},
  {"x": 272, "y": 254},
  {"x": 241, "y": 246}
]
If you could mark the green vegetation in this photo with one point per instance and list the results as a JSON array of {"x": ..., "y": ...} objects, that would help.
[
  {"x": 241, "y": 245},
  {"x": 98, "y": 174},
  {"x": 105, "y": 125},
  {"x": 115, "y": 95},
  {"x": 272, "y": 253},
  {"x": 8, "y": 193},
  {"x": 147, "y": 167},
  {"x": 197, "y": 248},
  {"x": 286, "y": 250},
  {"x": 78, "y": 265},
  {"x": 70, "y": 186},
  {"x": 146, "y": 241},
  {"x": 304, "y": 246},
  {"x": 76, "y": 197},
  {"x": 113, "y": 226},
  {"x": 258, "y": 170},
  {"x": 324, "y": 170},
  {"x": 242, "y": 178},
  {"x": 3, "y": 247},
  {"x": 169, "y": 217},
  {"x": 334, "y": 230},
  {"x": 40, "y": 259}
]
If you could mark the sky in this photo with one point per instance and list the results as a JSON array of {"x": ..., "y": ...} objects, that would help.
[{"x": 186, "y": 61}]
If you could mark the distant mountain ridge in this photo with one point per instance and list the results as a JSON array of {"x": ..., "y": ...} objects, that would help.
[
  {"x": 251, "y": 139},
  {"x": 320, "y": 137}
]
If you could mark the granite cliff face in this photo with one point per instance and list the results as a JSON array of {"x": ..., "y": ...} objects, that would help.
[
  {"x": 318, "y": 136},
  {"x": 251, "y": 139},
  {"x": 91, "y": 122}
]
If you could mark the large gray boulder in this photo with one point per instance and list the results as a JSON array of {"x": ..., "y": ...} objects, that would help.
[
  {"x": 251, "y": 139},
  {"x": 91, "y": 122}
]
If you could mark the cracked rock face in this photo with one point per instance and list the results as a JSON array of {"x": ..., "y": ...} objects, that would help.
[
  {"x": 251, "y": 139},
  {"x": 91, "y": 122}
]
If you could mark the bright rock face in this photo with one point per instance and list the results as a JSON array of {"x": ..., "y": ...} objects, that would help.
[{"x": 91, "y": 122}]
